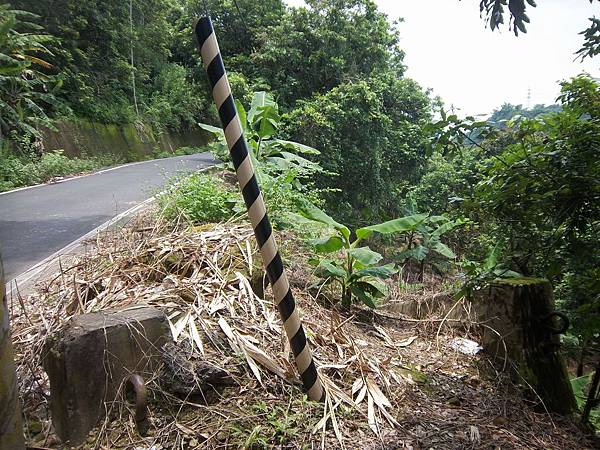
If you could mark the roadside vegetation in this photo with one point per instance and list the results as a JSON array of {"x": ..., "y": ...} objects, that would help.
[
  {"x": 374, "y": 189},
  {"x": 469, "y": 219},
  {"x": 18, "y": 171}
]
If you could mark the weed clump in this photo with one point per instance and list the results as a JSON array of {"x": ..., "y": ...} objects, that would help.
[{"x": 199, "y": 198}]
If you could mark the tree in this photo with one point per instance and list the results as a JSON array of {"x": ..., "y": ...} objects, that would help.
[
  {"x": 370, "y": 134},
  {"x": 25, "y": 92},
  {"x": 95, "y": 49},
  {"x": 315, "y": 49}
]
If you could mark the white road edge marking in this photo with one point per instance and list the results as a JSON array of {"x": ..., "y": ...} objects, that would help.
[
  {"x": 99, "y": 172},
  {"x": 36, "y": 269},
  {"x": 30, "y": 273}
]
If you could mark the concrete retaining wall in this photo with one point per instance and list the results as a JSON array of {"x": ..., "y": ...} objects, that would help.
[{"x": 131, "y": 141}]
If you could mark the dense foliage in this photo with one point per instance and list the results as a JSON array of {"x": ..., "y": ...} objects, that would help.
[
  {"x": 544, "y": 193},
  {"x": 332, "y": 122},
  {"x": 534, "y": 196},
  {"x": 25, "y": 92},
  {"x": 370, "y": 134}
]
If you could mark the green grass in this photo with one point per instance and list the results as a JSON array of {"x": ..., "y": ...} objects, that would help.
[
  {"x": 199, "y": 198},
  {"x": 202, "y": 198},
  {"x": 18, "y": 171}
]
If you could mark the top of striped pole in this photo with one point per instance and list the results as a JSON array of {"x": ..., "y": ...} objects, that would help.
[{"x": 257, "y": 213}]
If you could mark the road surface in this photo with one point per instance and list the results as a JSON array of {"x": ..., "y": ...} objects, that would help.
[{"x": 38, "y": 221}]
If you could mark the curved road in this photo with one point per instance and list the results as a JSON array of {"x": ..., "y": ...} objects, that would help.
[{"x": 38, "y": 221}]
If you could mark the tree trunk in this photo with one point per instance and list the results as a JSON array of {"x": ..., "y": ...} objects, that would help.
[
  {"x": 11, "y": 430},
  {"x": 524, "y": 328},
  {"x": 592, "y": 399},
  {"x": 581, "y": 361}
]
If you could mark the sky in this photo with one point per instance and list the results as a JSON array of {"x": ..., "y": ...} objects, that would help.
[{"x": 449, "y": 50}]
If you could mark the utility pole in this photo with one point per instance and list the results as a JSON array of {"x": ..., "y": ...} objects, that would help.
[
  {"x": 11, "y": 429},
  {"x": 137, "y": 112},
  {"x": 529, "y": 97}
]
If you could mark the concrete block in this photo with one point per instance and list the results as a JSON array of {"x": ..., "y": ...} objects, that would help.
[{"x": 89, "y": 359}]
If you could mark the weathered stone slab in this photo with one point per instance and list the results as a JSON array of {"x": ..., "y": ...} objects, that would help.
[{"x": 89, "y": 359}]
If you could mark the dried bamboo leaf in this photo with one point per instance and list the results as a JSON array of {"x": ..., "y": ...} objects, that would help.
[
  {"x": 361, "y": 395},
  {"x": 372, "y": 421},
  {"x": 406, "y": 342},
  {"x": 253, "y": 367},
  {"x": 358, "y": 383},
  {"x": 195, "y": 335},
  {"x": 380, "y": 399},
  {"x": 179, "y": 326}
]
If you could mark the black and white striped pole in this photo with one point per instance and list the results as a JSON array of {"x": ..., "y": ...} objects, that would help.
[{"x": 213, "y": 63}]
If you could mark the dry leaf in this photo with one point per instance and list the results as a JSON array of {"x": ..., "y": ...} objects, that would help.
[
  {"x": 195, "y": 335},
  {"x": 406, "y": 342}
]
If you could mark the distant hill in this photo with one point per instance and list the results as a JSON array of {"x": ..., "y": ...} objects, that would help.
[{"x": 507, "y": 111}]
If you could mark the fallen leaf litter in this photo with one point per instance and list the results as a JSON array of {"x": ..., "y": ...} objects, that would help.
[{"x": 388, "y": 386}]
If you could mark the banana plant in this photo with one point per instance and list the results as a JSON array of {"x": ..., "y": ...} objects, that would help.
[
  {"x": 25, "y": 92},
  {"x": 423, "y": 240},
  {"x": 359, "y": 272},
  {"x": 261, "y": 123},
  {"x": 476, "y": 275}
]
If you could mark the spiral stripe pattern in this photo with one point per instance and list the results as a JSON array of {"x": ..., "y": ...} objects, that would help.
[{"x": 213, "y": 63}]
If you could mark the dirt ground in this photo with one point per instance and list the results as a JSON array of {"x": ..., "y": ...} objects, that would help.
[{"x": 392, "y": 382}]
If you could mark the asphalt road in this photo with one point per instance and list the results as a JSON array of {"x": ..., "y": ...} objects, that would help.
[{"x": 36, "y": 222}]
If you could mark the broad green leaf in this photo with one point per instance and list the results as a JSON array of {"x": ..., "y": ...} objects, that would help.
[
  {"x": 259, "y": 100},
  {"x": 378, "y": 272},
  {"x": 242, "y": 113},
  {"x": 374, "y": 286},
  {"x": 444, "y": 228},
  {"x": 215, "y": 130},
  {"x": 417, "y": 253},
  {"x": 297, "y": 147},
  {"x": 400, "y": 225},
  {"x": 327, "y": 245},
  {"x": 492, "y": 259},
  {"x": 302, "y": 220},
  {"x": 268, "y": 120},
  {"x": 436, "y": 219},
  {"x": 443, "y": 250},
  {"x": 578, "y": 385},
  {"x": 365, "y": 255},
  {"x": 328, "y": 268},
  {"x": 363, "y": 296},
  {"x": 313, "y": 213},
  {"x": 287, "y": 160},
  {"x": 368, "y": 291}
]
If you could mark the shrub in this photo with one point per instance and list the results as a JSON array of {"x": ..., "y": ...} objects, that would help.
[{"x": 199, "y": 198}]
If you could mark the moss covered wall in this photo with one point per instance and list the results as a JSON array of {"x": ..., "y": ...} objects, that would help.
[{"x": 131, "y": 141}]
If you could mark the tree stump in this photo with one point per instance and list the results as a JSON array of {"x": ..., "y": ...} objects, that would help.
[
  {"x": 522, "y": 327},
  {"x": 89, "y": 360}
]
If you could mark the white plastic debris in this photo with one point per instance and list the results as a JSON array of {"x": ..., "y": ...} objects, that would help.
[{"x": 465, "y": 346}]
